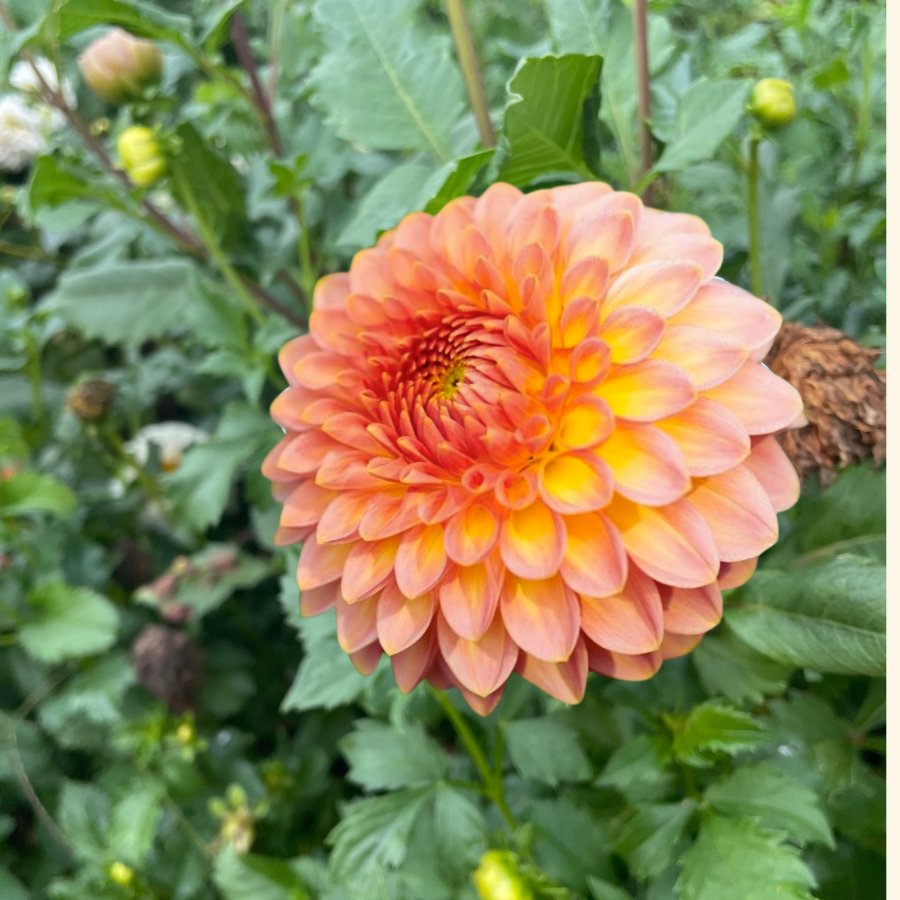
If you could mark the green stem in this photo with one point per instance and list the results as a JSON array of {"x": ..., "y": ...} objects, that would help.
[
  {"x": 492, "y": 778},
  {"x": 468, "y": 63},
  {"x": 35, "y": 375},
  {"x": 150, "y": 485},
  {"x": 642, "y": 76},
  {"x": 218, "y": 255},
  {"x": 756, "y": 278},
  {"x": 865, "y": 108},
  {"x": 308, "y": 273}
]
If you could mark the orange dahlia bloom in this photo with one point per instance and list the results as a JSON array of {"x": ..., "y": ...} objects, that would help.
[{"x": 531, "y": 433}]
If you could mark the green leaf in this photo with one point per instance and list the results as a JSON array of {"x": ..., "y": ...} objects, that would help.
[
  {"x": 53, "y": 182},
  {"x": 83, "y": 816},
  {"x": 384, "y": 83},
  {"x": 208, "y": 185},
  {"x": 543, "y": 125},
  {"x": 452, "y": 180},
  {"x": 69, "y": 623},
  {"x": 713, "y": 728},
  {"x": 134, "y": 821},
  {"x": 253, "y": 877},
  {"x": 126, "y": 302},
  {"x": 10, "y": 887},
  {"x": 728, "y": 667},
  {"x": 648, "y": 838},
  {"x": 386, "y": 204},
  {"x": 141, "y": 19},
  {"x": 375, "y": 832},
  {"x": 459, "y": 828},
  {"x": 547, "y": 750},
  {"x": 30, "y": 492},
  {"x": 605, "y": 890},
  {"x": 13, "y": 445},
  {"x": 706, "y": 115},
  {"x": 831, "y": 618},
  {"x": 384, "y": 758},
  {"x": 775, "y": 799},
  {"x": 734, "y": 859},
  {"x": 637, "y": 769},
  {"x": 199, "y": 487}
]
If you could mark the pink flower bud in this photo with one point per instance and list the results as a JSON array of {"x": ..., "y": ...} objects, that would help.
[{"x": 119, "y": 67}]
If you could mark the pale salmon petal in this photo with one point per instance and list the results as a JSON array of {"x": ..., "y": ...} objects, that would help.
[
  {"x": 471, "y": 534},
  {"x": 585, "y": 424},
  {"x": 320, "y": 370},
  {"x": 609, "y": 236},
  {"x": 318, "y": 600},
  {"x": 632, "y": 332},
  {"x": 672, "y": 544},
  {"x": 532, "y": 541},
  {"x": 621, "y": 665},
  {"x": 482, "y": 665},
  {"x": 734, "y": 574},
  {"x": 647, "y": 391},
  {"x": 739, "y": 513},
  {"x": 657, "y": 224},
  {"x": 569, "y": 199},
  {"x": 367, "y": 567},
  {"x": 542, "y": 617},
  {"x": 292, "y": 352},
  {"x": 365, "y": 661},
  {"x": 288, "y": 408},
  {"x": 411, "y": 664},
  {"x": 692, "y": 610},
  {"x": 775, "y": 472},
  {"x": 321, "y": 563},
  {"x": 469, "y": 596},
  {"x": 305, "y": 504},
  {"x": 303, "y": 453},
  {"x": 701, "y": 249},
  {"x": 629, "y": 622},
  {"x": 340, "y": 519},
  {"x": 733, "y": 311},
  {"x": 646, "y": 464},
  {"x": 575, "y": 483},
  {"x": 484, "y": 706},
  {"x": 594, "y": 562},
  {"x": 331, "y": 291},
  {"x": 711, "y": 438},
  {"x": 401, "y": 621},
  {"x": 565, "y": 680},
  {"x": 356, "y": 624},
  {"x": 586, "y": 278},
  {"x": 421, "y": 560},
  {"x": 664, "y": 287},
  {"x": 761, "y": 401},
  {"x": 708, "y": 356},
  {"x": 491, "y": 213},
  {"x": 675, "y": 645}
]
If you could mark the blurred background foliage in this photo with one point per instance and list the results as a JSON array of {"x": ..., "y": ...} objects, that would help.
[{"x": 169, "y": 727}]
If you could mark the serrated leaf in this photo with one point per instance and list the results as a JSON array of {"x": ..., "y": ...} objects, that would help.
[
  {"x": 459, "y": 828},
  {"x": 543, "y": 124},
  {"x": 637, "y": 769},
  {"x": 775, "y": 799},
  {"x": 452, "y": 180},
  {"x": 648, "y": 838},
  {"x": 730, "y": 668},
  {"x": 831, "y": 618},
  {"x": 375, "y": 832},
  {"x": 134, "y": 821},
  {"x": 126, "y": 302},
  {"x": 734, "y": 859},
  {"x": 706, "y": 115},
  {"x": 200, "y": 486},
  {"x": 32, "y": 492},
  {"x": 83, "y": 815},
  {"x": 68, "y": 623},
  {"x": 382, "y": 82},
  {"x": 383, "y": 758},
  {"x": 141, "y": 19},
  {"x": 254, "y": 877},
  {"x": 546, "y": 750},
  {"x": 53, "y": 182},
  {"x": 713, "y": 728}
]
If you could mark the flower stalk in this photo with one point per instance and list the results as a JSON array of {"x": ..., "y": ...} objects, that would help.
[
  {"x": 642, "y": 67},
  {"x": 756, "y": 278}
]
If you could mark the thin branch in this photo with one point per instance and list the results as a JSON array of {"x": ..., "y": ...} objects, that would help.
[
  {"x": 642, "y": 66},
  {"x": 468, "y": 62}
]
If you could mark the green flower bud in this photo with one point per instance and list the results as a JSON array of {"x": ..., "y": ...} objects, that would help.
[
  {"x": 497, "y": 878},
  {"x": 119, "y": 67},
  {"x": 121, "y": 874},
  {"x": 772, "y": 102},
  {"x": 141, "y": 155}
]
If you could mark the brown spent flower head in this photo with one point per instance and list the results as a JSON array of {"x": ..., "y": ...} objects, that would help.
[
  {"x": 169, "y": 665},
  {"x": 119, "y": 67},
  {"x": 843, "y": 394},
  {"x": 91, "y": 400}
]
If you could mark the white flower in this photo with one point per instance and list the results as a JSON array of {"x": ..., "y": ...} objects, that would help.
[
  {"x": 23, "y": 77},
  {"x": 21, "y": 134},
  {"x": 171, "y": 438}
]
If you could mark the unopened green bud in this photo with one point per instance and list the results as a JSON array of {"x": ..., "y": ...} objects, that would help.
[
  {"x": 119, "y": 67},
  {"x": 141, "y": 155},
  {"x": 121, "y": 874},
  {"x": 497, "y": 878},
  {"x": 772, "y": 102}
]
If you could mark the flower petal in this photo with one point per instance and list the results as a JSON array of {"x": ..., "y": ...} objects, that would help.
[
  {"x": 711, "y": 438},
  {"x": 482, "y": 665},
  {"x": 411, "y": 665},
  {"x": 573, "y": 483},
  {"x": 595, "y": 562},
  {"x": 471, "y": 534},
  {"x": 356, "y": 624},
  {"x": 665, "y": 287},
  {"x": 421, "y": 560},
  {"x": 734, "y": 574},
  {"x": 621, "y": 665},
  {"x": 367, "y": 567},
  {"x": 629, "y": 622},
  {"x": 366, "y": 660},
  {"x": 565, "y": 680},
  {"x": 632, "y": 332},
  {"x": 469, "y": 598},
  {"x": 709, "y": 357},
  {"x": 542, "y": 617},
  {"x": 647, "y": 390},
  {"x": 532, "y": 541},
  {"x": 321, "y": 563},
  {"x": 675, "y": 645},
  {"x": 647, "y": 465},
  {"x": 775, "y": 472},
  {"x": 400, "y": 621},
  {"x": 692, "y": 610}
]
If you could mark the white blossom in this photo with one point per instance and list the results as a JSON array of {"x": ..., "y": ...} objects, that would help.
[
  {"x": 21, "y": 134},
  {"x": 171, "y": 439},
  {"x": 23, "y": 78}
]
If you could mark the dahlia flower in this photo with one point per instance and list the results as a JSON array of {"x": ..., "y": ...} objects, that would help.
[{"x": 531, "y": 433}]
